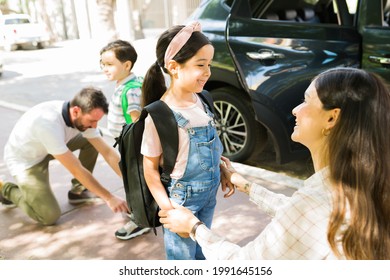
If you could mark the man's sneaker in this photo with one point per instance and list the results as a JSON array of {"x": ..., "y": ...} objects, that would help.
[
  {"x": 5, "y": 202},
  {"x": 130, "y": 230},
  {"x": 84, "y": 196}
]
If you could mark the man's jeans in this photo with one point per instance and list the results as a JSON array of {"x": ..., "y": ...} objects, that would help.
[{"x": 33, "y": 193}]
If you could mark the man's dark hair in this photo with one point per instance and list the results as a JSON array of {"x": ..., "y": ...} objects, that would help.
[{"x": 90, "y": 98}]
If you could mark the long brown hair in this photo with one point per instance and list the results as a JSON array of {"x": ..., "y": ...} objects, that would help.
[{"x": 359, "y": 162}]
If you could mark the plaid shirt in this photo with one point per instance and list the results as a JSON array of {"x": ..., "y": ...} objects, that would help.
[
  {"x": 298, "y": 229},
  {"x": 115, "y": 118}
]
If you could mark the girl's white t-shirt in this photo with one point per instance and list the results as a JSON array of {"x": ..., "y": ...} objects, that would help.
[{"x": 151, "y": 145}]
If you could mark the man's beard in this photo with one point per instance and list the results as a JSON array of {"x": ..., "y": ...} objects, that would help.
[{"x": 78, "y": 125}]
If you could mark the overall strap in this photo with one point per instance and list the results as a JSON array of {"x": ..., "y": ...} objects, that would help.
[
  {"x": 166, "y": 126},
  {"x": 208, "y": 99}
]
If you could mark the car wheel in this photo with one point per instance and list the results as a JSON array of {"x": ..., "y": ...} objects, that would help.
[
  {"x": 237, "y": 128},
  {"x": 40, "y": 46}
]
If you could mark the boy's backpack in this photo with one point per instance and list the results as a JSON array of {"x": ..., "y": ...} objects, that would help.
[
  {"x": 129, "y": 85},
  {"x": 139, "y": 199}
]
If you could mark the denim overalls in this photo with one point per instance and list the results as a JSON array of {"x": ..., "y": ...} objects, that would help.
[{"x": 197, "y": 189}]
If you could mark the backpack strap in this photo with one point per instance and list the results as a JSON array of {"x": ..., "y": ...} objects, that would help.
[
  {"x": 166, "y": 126},
  {"x": 129, "y": 85},
  {"x": 208, "y": 99}
]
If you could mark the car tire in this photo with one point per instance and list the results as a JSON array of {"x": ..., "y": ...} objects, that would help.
[
  {"x": 40, "y": 46},
  {"x": 237, "y": 128}
]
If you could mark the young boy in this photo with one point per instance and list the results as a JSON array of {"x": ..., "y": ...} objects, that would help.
[{"x": 116, "y": 60}]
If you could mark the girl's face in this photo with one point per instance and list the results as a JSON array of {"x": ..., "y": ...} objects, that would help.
[
  {"x": 310, "y": 120},
  {"x": 194, "y": 73},
  {"x": 114, "y": 69}
]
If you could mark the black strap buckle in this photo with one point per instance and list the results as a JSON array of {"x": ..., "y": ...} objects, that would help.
[{"x": 165, "y": 178}]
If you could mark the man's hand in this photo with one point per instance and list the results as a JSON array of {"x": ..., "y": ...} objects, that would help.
[{"x": 117, "y": 204}]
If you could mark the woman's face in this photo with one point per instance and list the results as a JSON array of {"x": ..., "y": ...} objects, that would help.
[{"x": 310, "y": 120}]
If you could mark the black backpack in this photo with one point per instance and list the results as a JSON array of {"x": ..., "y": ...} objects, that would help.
[{"x": 138, "y": 197}]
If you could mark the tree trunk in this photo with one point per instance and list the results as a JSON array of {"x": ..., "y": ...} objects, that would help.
[
  {"x": 46, "y": 19},
  {"x": 136, "y": 13},
  {"x": 106, "y": 17}
]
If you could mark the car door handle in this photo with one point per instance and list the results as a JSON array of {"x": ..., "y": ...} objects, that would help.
[
  {"x": 385, "y": 61},
  {"x": 264, "y": 55}
]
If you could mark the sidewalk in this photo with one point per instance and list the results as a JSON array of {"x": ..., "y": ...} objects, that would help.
[{"x": 87, "y": 232}]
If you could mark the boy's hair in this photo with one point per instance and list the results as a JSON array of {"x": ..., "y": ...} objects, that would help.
[
  {"x": 90, "y": 98},
  {"x": 123, "y": 50}
]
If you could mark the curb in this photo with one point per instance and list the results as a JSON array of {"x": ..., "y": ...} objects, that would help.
[{"x": 268, "y": 175}]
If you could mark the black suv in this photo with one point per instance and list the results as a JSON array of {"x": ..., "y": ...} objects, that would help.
[{"x": 267, "y": 52}]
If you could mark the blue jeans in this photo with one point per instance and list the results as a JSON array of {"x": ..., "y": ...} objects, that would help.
[
  {"x": 198, "y": 187},
  {"x": 201, "y": 200}
]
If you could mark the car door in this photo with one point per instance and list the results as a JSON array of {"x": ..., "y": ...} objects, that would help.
[{"x": 276, "y": 58}]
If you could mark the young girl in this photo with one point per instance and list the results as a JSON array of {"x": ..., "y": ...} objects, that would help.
[
  {"x": 117, "y": 59},
  {"x": 185, "y": 54}
]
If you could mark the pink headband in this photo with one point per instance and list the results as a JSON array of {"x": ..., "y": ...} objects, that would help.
[{"x": 179, "y": 41}]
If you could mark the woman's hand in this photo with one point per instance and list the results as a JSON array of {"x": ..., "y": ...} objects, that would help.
[
  {"x": 234, "y": 178},
  {"x": 227, "y": 168},
  {"x": 226, "y": 171},
  {"x": 179, "y": 220},
  {"x": 226, "y": 184}
]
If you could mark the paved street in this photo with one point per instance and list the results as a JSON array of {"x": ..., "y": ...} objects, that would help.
[{"x": 87, "y": 232}]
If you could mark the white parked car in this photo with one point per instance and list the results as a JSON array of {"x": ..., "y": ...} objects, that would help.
[
  {"x": 19, "y": 30},
  {"x": 1, "y": 66}
]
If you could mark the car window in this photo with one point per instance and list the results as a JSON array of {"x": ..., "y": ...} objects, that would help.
[
  {"x": 312, "y": 11},
  {"x": 352, "y": 6},
  {"x": 229, "y": 2},
  {"x": 303, "y": 11},
  {"x": 386, "y": 13},
  {"x": 386, "y": 19},
  {"x": 209, "y": 14},
  {"x": 16, "y": 21}
]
